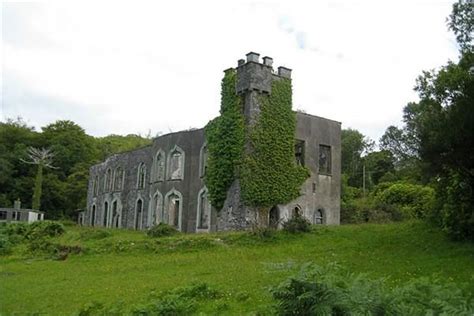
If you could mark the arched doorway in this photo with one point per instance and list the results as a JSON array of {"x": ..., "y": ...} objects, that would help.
[
  {"x": 274, "y": 217},
  {"x": 106, "y": 214},
  {"x": 93, "y": 215},
  {"x": 138, "y": 214},
  {"x": 318, "y": 216}
]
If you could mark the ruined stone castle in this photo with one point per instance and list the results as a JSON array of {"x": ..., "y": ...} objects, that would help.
[{"x": 165, "y": 181}]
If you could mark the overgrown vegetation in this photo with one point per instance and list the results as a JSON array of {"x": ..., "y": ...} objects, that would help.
[
  {"x": 161, "y": 230},
  {"x": 64, "y": 189},
  {"x": 332, "y": 291},
  {"x": 179, "y": 301},
  {"x": 225, "y": 142},
  {"x": 269, "y": 174},
  {"x": 92, "y": 270},
  {"x": 425, "y": 169},
  {"x": 297, "y": 224}
]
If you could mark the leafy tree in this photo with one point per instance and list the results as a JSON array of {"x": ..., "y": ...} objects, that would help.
[
  {"x": 442, "y": 123},
  {"x": 70, "y": 144},
  {"x": 113, "y": 144},
  {"x": 353, "y": 146},
  {"x": 377, "y": 164}
]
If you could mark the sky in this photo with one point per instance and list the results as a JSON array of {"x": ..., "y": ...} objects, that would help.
[{"x": 151, "y": 67}]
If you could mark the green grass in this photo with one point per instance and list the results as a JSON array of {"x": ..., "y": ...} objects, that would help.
[{"x": 128, "y": 266}]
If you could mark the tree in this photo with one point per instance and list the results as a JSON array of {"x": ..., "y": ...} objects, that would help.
[
  {"x": 42, "y": 158},
  {"x": 377, "y": 164},
  {"x": 442, "y": 123},
  {"x": 353, "y": 146},
  {"x": 70, "y": 144}
]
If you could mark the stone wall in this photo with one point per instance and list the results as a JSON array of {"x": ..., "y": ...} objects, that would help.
[{"x": 162, "y": 192}]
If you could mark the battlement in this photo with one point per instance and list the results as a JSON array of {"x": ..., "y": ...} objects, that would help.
[{"x": 254, "y": 75}]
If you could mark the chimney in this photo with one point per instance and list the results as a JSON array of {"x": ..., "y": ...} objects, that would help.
[
  {"x": 240, "y": 62},
  {"x": 284, "y": 72},
  {"x": 17, "y": 204},
  {"x": 268, "y": 61},
  {"x": 252, "y": 57}
]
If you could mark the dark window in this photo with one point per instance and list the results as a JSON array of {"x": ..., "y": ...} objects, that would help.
[
  {"x": 141, "y": 176},
  {"x": 324, "y": 159},
  {"x": 3, "y": 215},
  {"x": 138, "y": 214},
  {"x": 299, "y": 152}
]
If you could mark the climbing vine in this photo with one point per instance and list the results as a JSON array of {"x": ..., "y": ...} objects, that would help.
[
  {"x": 225, "y": 142},
  {"x": 269, "y": 174}
]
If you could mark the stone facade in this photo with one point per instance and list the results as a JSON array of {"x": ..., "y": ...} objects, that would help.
[{"x": 164, "y": 182}]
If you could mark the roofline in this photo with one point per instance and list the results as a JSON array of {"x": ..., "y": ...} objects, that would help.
[{"x": 320, "y": 117}]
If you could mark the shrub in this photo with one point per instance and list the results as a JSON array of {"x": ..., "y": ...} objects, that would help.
[
  {"x": 44, "y": 229},
  {"x": 413, "y": 200},
  {"x": 95, "y": 234},
  {"x": 331, "y": 291},
  {"x": 262, "y": 232},
  {"x": 5, "y": 245},
  {"x": 16, "y": 229},
  {"x": 297, "y": 224},
  {"x": 161, "y": 230}
]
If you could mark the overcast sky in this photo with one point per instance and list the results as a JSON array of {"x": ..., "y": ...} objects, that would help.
[{"x": 140, "y": 67}]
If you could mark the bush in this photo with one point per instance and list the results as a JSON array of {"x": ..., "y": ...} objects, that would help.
[
  {"x": 179, "y": 301},
  {"x": 456, "y": 210},
  {"x": 44, "y": 229},
  {"x": 5, "y": 245},
  {"x": 94, "y": 234},
  {"x": 413, "y": 200},
  {"x": 330, "y": 291},
  {"x": 161, "y": 230},
  {"x": 297, "y": 224},
  {"x": 34, "y": 230}
]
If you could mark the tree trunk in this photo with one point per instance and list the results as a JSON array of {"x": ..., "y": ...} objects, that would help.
[{"x": 38, "y": 188}]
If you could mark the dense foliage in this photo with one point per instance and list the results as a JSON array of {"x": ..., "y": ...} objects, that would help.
[
  {"x": 330, "y": 291},
  {"x": 64, "y": 188},
  {"x": 161, "y": 230},
  {"x": 297, "y": 224},
  {"x": 269, "y": 174},
  {"x": 225, "y": 142},
  {"x": 432, "y": 153}
]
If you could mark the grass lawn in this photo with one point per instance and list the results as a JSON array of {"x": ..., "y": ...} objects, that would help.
[{"x": 128, "y": 266}]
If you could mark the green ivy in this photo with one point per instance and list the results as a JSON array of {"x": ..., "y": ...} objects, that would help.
[
  {"x": 225, "y": 142},
  {"x": 269, "y": 174}
]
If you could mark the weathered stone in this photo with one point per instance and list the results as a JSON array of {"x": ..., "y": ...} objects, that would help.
[{"x": 175, "y": 170}]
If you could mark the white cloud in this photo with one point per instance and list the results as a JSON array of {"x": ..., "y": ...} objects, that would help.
[{"x": 127, "y": 68}]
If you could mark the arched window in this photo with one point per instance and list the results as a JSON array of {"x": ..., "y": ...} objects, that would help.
[
  {"x": 274, "y": 217},
  {"x": 118, "y": 179},
  {"x": 138, "y": 214},
  {"x": 318, "y": 216},
  {"x": 106, "y": 215},
  {"x": 297, "y": 211},
  {"x": 93, "y": 215},
  {"x": 108, "y": 181},
  {"x": 95, "y": 186},
  {"x": 173, "y": 208},
  {"x": 203, "y": 160},
  {"x": 156, "y": 209},
  {"x": 204, "y": 210},
  {"x": 141, "y": 176},
  {"x": 176, "y": 164},
  {"x": 159, "y": 167},
  {"x": 116, "y": 215}
]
